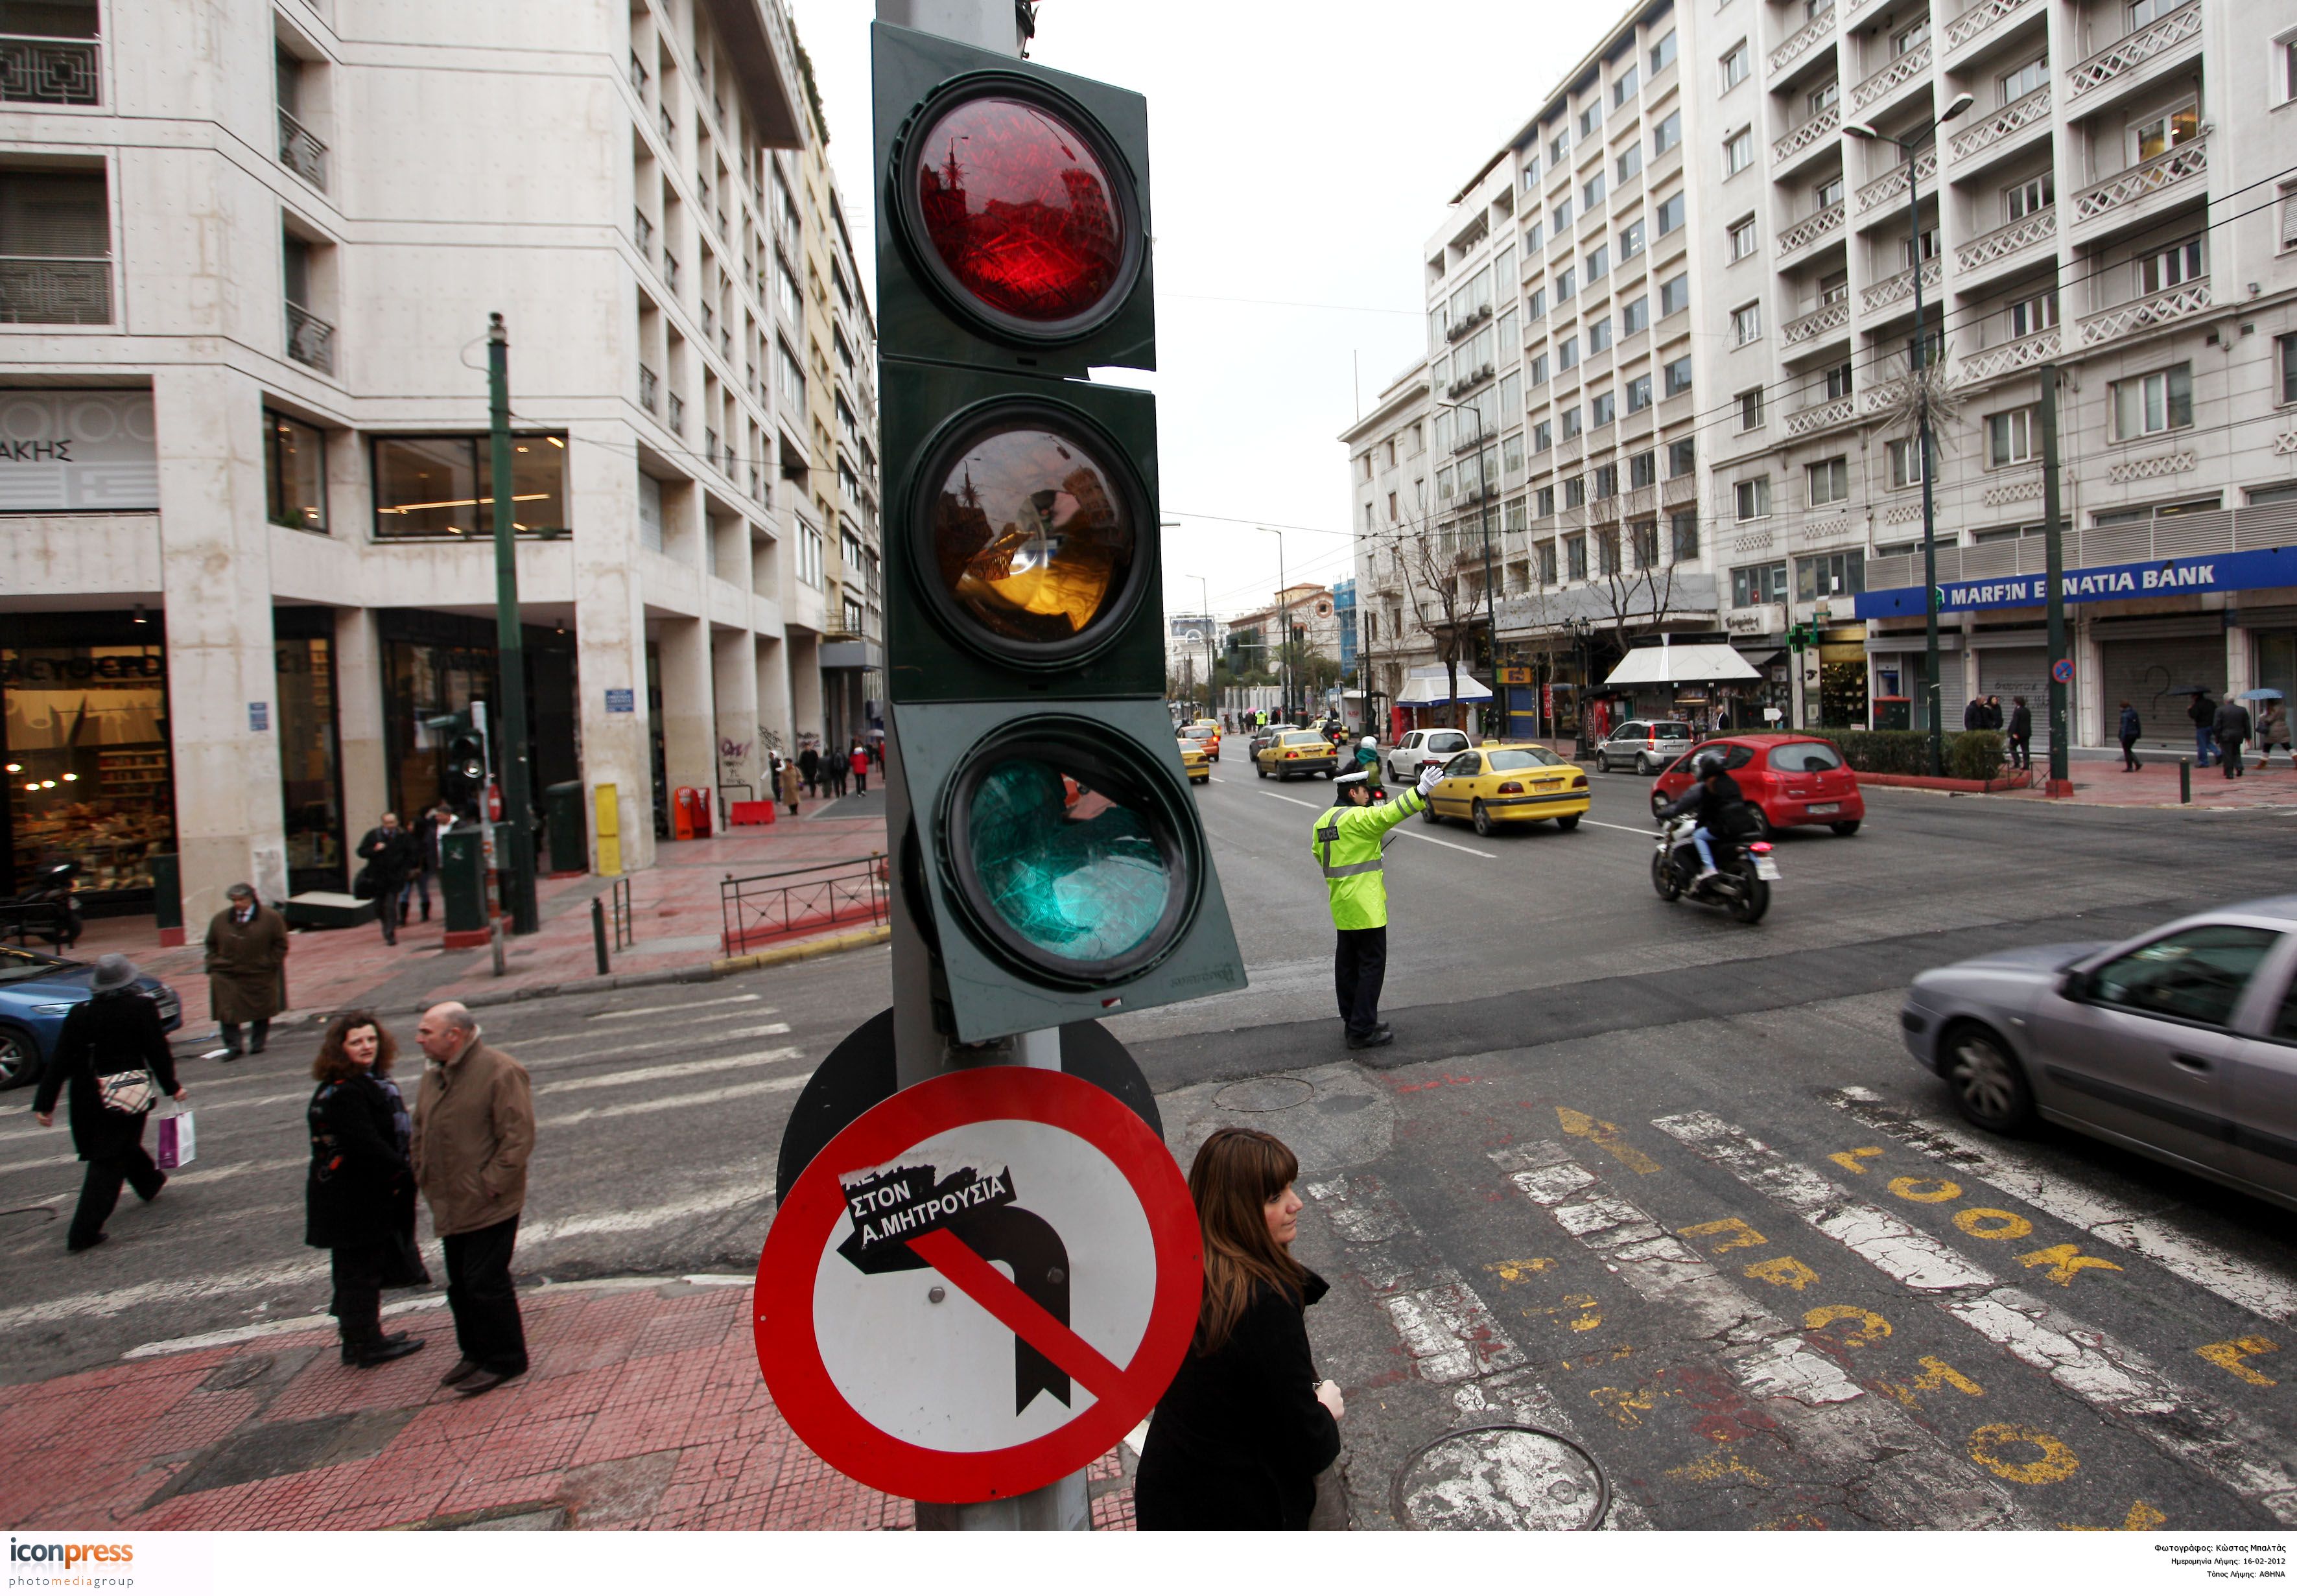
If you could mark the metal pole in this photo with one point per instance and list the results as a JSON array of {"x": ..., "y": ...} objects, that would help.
[
  {"x": 517, "y": 859},
  {"x": 598, "y": 934},
  {"x": 2054, "y": 565},
  {"x": 1212, "y": 674},
  {"x": 1922, "y": 434}
]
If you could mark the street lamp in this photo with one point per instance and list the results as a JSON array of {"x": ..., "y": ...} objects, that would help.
[
  {"x": 1284, "y": 635},
  {"x": 1204, "y": 588},
  {"x": 1484, "y": 515},
  {"x": 1907, "y": 145}
]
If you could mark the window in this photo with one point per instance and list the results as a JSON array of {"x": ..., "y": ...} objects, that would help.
[
  {"x": 785, "y": 291},
  {"x": 1535, "y": 373},
  {"x": 1592, "y": 191},
  {"x": 2033, "y": 314},
  {"x": 1636, "y": 316},
  {"x": 1567, "y": 283},
  {"x": 1662, "y": 53},
  {"x": 2024, "y": 80},
  {"x": 1543, "y": 438},
  {"x": 1738, "y": 151},
  {"x": 2024, "y": 199},
  {"x": 2196, "y": 975},
  {"x": 1607, "y": 552},
  {"x": 1546, "y": 502},
  {"x": 55, "y": 227},
  {"x": 1364, "y": 460},
  {"x": 1750, "y": 409},
  {"x": 1599, "y": 335},
  {"x": 1547, "y": 549},
  {"x": 1747, "y": 324},
  {"x": 1825, "y": 193},
  {"x": 2160, "y": 134},
  {"x": 1575, "y": 494},
  {"x": 1591, "y": 118},
  {"x": 1911, "y": 38},
  {"x": 1685, "y": 526},
  {"x": 1681, "y": 458},
  {"x": 1829, "y": 576},
  {"x": 1744, "y": 239},
  {"x": 1836, "y": 383},
  {"x": 1670, "y": 214},
  {"x": 1906, "y": 457},
  {"x": 1559, "y": 147},
  {"x": 1754, "y": 497},
  {"x": 1603, "y": 409},
  {"x": 1631, "y": 242},
  {"x": 1607, "y": 482},
  {"x": 1829, "y": 480},
  {"x": 1667, "y": 133},
  {"x": 294, "y": 473},
  {"x": 1752, "y": 584},
  {"x": 1567, "y": 353},
  {"x": 1391, "y": 507},
  {"x": 1675, "y": 294},
  {"x": 2166, "y": 268},
  {"x": 1639, "y": 393},
  {"x": 1646, "y": 544},
  {"x": 1734, "y": 65},
  {"x": 1511, "y": 454},
  {"x": 1534, "y": 303},
  {"x": 1575, "y": 551},
  {"x": 1643, "y": 470},
  {"x": 2284, "y": 68},
  {"x": 1623, "y": 86},
  {"x": 1510, "y": 404},
  {"x": 1599, "y": 262},
  {"x": 1444, "y": 485},
  {"x": 2010, "y": 437},
  {"x": 1531, "y": 170},
  {"x": 2287, "y": 346},
  {"x": 1631, "y": 161},
  {"x": 1928, "y": 245},
  {"x": 1509, "y": 343},
  {"x": 1678, "y": 376},
  {"x": 1823, "y": 99},
  {"x": 1571, "y": 427},
  {"x": 444, "y": 487},
  {"x": 2157, "y": 402},
  {"x": 792, "y": 375}
]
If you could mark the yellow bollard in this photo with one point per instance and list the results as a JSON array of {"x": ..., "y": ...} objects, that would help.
[{"x": 609, "y": 830}]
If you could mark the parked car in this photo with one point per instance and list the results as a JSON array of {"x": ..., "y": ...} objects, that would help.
[
  {"x": 1298, "y": 753},
  {"x": 1646, "y": 745},
  {"x": 37, "y": 991},
  {"x": 1791, "y": 779},
  {"x": 1428, "y": 747},
  {"x": 1503, "y": 783},
  {"x": 2180, "y": 1044}
]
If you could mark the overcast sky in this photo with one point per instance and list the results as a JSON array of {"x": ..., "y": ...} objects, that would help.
[{"x": 1300, "y": 154}]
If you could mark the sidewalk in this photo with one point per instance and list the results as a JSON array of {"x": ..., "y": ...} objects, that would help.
[
  {"x": 644, "y": 1410},
  {"x": 678, "y": 926},
  {"x": 2102, "y": 780}
]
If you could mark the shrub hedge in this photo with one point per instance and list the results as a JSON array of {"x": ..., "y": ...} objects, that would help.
[{"x": 1969, "y": 755}]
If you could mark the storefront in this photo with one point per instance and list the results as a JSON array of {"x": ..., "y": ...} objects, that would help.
[
  {"x": 1899, "y": 667},
  {"x": 2141, "y": 657},
  {"x": 310, "y": 765},
  {"x": 436, "y": 665}
]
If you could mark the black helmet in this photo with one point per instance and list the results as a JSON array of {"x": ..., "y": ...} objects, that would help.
[{"x": 1709, "y": 762}]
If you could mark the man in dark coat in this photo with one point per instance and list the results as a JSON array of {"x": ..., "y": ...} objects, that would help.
[
  {"x": 116, "y": 1032},
  {"x": 2231, "y": 728},
  {"x": 391, "y": 854},
  {"x": 2203, "y": 714},
  {"x": 2021, "y": 735},
  {"x": 809, "y": 765},
  {"x": 473, "y": 1133},
  {"x": 1973, "y": 715},
  {"x": 247, "y": 963}
]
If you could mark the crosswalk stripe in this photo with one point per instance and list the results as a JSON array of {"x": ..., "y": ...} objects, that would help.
[
  {"x": 669, "y": 1071},
  {"x": 696, "y": 1100},
  {"x": 628, "y": 1046},
  {"x": 590, "y": 1033},
  {"x": 632, "y": 1014},
  {"x": 2162, "y": 1241},
  {"x": 2181, "y": 1421},
  {"x": 1815, "y": 1398}
]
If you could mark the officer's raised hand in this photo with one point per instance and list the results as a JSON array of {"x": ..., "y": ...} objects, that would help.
[{"x": 1430, "y": 775}]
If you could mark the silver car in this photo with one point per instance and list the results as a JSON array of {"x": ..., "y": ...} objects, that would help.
[
  {"x": 1651, "y": 746},
  {"x": 2180, "y": 1044}
]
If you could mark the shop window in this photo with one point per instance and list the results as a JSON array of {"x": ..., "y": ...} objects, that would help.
[
  {"x": 87, "y": 762},
  {"x": 294, "y": 473},
  {"x": 444, "y": 487},
  {"x": 310, "y": 789}
]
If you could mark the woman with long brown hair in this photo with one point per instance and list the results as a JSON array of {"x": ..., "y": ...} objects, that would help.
[
  {"x": 358, "y": 1201},
  {"x": 1246, "y": 1427}
]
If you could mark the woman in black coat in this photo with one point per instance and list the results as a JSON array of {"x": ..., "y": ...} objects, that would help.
[
  {"x": 1239, "y": 1439},
  {"x": 116, "y": 1032},
  {"x": 358, "y": 1200}
]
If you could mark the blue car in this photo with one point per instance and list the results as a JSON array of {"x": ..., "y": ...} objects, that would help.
[{"x": 37, "y": 991}]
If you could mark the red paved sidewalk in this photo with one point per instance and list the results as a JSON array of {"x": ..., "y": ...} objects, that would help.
[
  {"x": 2104, "y": 782},
  {"x": 644, "y": 1410},
  {"x": 678, "y": 926}
]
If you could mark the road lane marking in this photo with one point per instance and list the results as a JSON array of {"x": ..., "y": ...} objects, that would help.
[
  {"x": 2160, "y": 1241},
  {"x": 1398, "y": 831},
  {"x": 688, "y": 1100},
  {"x": 2181, "y": 1421},
  {"x": 671, "y": 1072},
  {"x": 589, "y": 1032},
  {"x": 2232, "y": 1357},
  {"x": 560, "y": 1060},
  {"x": 632, "y": 1014},
  {"x": 1606, "y": 1136},
  {"x": 1641, "y": 831}
]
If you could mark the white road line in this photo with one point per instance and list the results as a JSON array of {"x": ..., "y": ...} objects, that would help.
[
  {"x": 688, "y": 1100},
  {"x": 1303, "y": 802},
  {"x": 202, "y": 1177},
  {"x": 2181, "y": 1421},
  {"x": 1447, "y": 1329},
  {"x": 632, "y": 1014},
  {"x": 1642, "y": 831},
  {"x": 2158, "y": 1240},
  {"x": 589, "y": 1032},
  {"x": 671, "y": 1072},
  {"x": 559, "y": 1060},
  {"x": 1399, "y": 831}
]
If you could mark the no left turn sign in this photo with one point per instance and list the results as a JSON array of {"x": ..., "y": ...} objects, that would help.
[{"x": 979, "y": 1286}]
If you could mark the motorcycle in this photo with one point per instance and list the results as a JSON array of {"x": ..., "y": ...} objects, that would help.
[
  {"x": 1743, "y": 871},
  {"x": 45, "y": 908}
]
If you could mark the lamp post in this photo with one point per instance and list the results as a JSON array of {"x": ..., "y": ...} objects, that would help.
[
  {"x": 1205, "y": 590},
  {"x": 1906, "y": 146},
  {"x": 1284, "y": 633}
]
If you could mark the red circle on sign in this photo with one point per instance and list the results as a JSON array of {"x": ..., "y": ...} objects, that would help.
[{"x": 789, "y": 1353}]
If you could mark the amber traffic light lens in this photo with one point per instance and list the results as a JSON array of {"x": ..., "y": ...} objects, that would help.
[
  {"x": 1021, "y": 210},
  {"x": 1032, "y": 537}
]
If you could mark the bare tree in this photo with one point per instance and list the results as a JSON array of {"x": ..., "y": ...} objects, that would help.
[
  {"x": 1429, "y": 558},
  {"x": 1631, "y": 584}
]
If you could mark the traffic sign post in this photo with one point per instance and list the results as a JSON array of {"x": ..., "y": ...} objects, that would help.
[{"x": 904, "y": 1356}]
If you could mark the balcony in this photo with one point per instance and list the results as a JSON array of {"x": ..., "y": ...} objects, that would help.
[
  {"x": 1826, "y": 319},
  {"x": 1912, "y": 67},
  {"x": 649, "y": 388},
  {"x": 2146, "y": 313},
  {"x": 669, "y": 270},
  {"x": 1891, "y": 183},
  {"x": 1979, "y": 20},
  {"x": 1819, "y": 417},
  {"x": 2119, "y": 59},
  {"x": 2015, "y": 355},
  {"x": 1802, "y": 41},
  {"x": 301, "y": 152},
  {"x": 48, "y": 72},
  {"x": 669, "y": 127},
  {"x": 2123, "y": 197},
  {"x": 1822, "y": 126},
  {"x": 1889, "y": 291},
  {"x": 2032, "y": 110},
  {"x": 310, "y": 339},
  {"x": 55, "y": 290},
  {"x": 2005, "y": 243},
  {"x": 1812, "y": 229},
  {"x": 637, "y": 73}
]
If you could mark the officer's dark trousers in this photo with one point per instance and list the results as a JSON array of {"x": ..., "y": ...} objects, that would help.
[{"x": 1359, "y": 966}]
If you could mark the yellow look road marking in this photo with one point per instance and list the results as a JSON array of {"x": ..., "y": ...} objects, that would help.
[
  {"x": 2143, "y": 1516},
  {"x": 2230, "y": 1355},
  {"x": 2064, "y": 1260},
  {"x": 1990, "y": 1442},
  {"x": 1606, "y": 1136}
]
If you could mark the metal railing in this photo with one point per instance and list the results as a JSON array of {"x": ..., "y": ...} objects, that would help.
[
  {"x": 38, "y": 70},
  {"x": 2147, "y": 312},
  {"x": 1812, "y": 228},
  {"x": 818, "y": 897},
  {"x": 2134, "y": 49},
  {"x": 622, "y": 916},
  {"x": 1824, "y": 125},
  {"x": 55, "y": 289},
  {"x": 310, "y": 339},
  {"x": 2011, "y": 354},
  {"x": 649, "y": 388},
  {"x": 677, "y": 415},
  {"x": 642, "y": 231},
  {"x": 1826, "y": 319},
  {"x": 301, "y": 152}
]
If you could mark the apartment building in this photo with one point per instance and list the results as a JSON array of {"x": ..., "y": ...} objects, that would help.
[
  {"x": 247, "y": 257},
  {"x": 1671, "y": 325}
]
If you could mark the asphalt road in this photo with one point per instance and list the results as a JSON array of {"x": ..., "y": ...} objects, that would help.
[{"x": 1593, "y": 1186}]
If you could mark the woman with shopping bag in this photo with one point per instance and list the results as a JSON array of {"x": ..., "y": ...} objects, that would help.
[
  {"x": 114, "y": 1054},
  {"x": 358, "y": 1200}
]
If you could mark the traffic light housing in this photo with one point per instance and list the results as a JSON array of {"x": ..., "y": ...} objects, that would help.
[
  {"x": 462, "y": 761},
  {"x": 1053, "y": 859}
]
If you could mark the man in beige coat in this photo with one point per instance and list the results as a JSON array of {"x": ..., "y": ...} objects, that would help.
[
  {"x": 246, "y": 965},
  {"x": 473, "y": 1132}
]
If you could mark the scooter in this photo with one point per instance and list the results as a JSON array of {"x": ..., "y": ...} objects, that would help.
[{"x": 1743, "y": 872}]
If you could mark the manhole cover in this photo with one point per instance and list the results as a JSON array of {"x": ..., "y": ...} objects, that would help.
[
  {"x": 1505, "y": 1476},
  {"x": 232, "y": 1375},
  {"x": 1266, "y": 1095}
]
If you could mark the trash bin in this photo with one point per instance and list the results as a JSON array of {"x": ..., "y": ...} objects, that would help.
[
  {"x": 569, "y": 838},
  {"x": 463, "y": 879},
  {"x": 1893, "y": 714}
]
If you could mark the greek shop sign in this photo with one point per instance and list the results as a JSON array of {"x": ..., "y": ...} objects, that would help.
[
  {"x": 67, "y": 449},
  {"x": 2199, "y": 574}
]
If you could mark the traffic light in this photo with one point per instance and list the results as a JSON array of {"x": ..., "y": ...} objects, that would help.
[
  {"x": 1053, "y": 859},
  {"x": 463, "y": 760}
]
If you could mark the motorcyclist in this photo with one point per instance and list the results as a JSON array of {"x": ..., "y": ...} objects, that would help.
[
  {"x": 1346, "y": 841},
  {"x": 1367, "y": 757},
  {"x": 1716, "y": 799}
]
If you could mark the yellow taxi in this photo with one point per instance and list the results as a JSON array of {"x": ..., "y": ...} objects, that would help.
[
  {"x": 1194, "y": 761},
  {"x": 1500, "y": 784},
  {"x": 1208, "y": 733},
  {"x": 1290, "y": 753}
]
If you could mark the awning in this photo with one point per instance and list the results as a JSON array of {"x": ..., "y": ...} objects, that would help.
[
  {"x": 1681, "y": 663},
  {"x": 1436, "y": 688}
]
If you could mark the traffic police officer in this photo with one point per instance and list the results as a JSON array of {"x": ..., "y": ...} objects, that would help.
[{"x": 1346, "y": 841}]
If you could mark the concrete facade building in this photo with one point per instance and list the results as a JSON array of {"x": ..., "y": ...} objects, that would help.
[{"x": 247, "y": 256}]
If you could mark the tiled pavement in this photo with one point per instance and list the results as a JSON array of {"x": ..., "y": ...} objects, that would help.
[{"x": 644, "y": 1410}]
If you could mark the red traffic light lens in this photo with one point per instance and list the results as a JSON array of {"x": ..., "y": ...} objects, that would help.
[{"x": 1022, "y": 211}]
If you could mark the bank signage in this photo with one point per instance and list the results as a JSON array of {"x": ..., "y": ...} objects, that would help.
[
  {"x": 77, "y": 449},
  {"x": 2149, "y": 578}
]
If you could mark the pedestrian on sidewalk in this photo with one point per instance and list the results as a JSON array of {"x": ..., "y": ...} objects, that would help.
[
  {"x": 1973, "y": 715},
  {"x": 809, "y": 766},
  {"x": 2203, "y": 714},
  {"x": 2021, "y": 735},
  {"x": 1241, "y": 1436},
  {"x": 834, "y": 773},
  {"x": 2230, "y": 728},
  {"x": 787, "y": 774},
  {"x": 390, "y": 853},
  {"x": 358, "y": 1199},
  {"x": 473, "y": 1132},
  {"x": 2273, "y": 732},
  {"x": 2129, "y": 734},
  {"x": 1348, "y": 840},
  {"x": 878, "y": 750},
  {"x": 114, "y": 1054},
  {"x": 246, "y": 968},
  {"x": 859, "y": 761},
  {"x": 430, "y": 827}
]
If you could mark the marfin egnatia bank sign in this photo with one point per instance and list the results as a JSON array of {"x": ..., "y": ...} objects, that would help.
[{"x": 2151, "y": 579}]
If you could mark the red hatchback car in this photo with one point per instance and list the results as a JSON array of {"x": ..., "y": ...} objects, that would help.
[{"x": 1794, "y": 780}]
